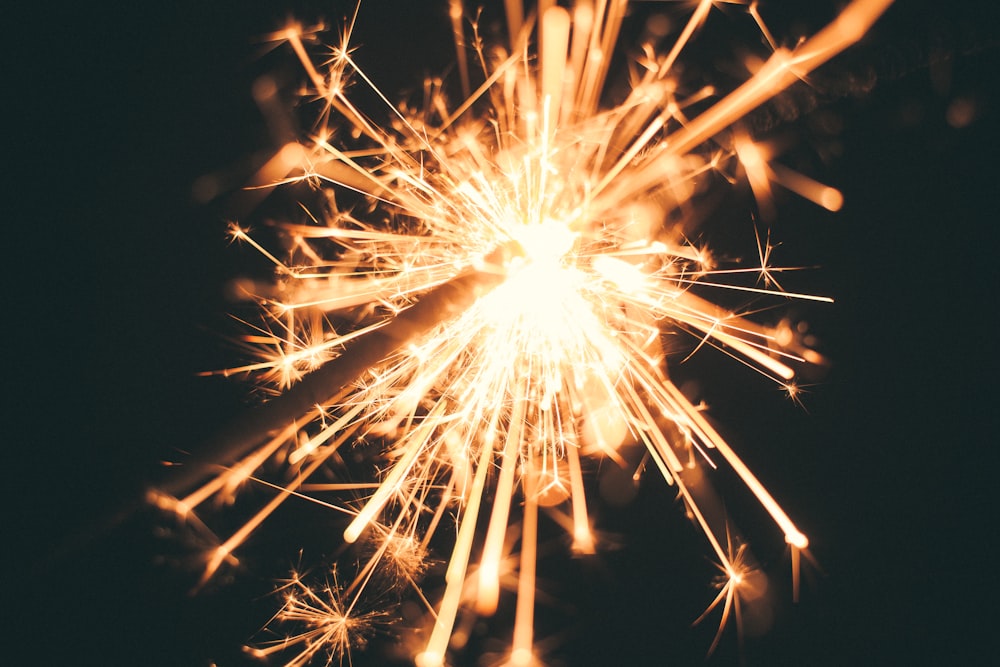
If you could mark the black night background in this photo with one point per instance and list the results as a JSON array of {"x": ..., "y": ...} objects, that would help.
[{"x": 889, "y": 470}]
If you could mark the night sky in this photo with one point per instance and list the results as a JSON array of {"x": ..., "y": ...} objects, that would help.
[{"x": 889, "y": 471}]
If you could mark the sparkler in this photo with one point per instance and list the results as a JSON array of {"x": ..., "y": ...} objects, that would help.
[{"x": 505, "y": 325}]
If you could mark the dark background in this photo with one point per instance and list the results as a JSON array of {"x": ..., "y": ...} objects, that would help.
[{"x": 889, "y": 472}]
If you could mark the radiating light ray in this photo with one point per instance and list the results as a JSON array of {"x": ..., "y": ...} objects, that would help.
[{"x": 500, "y": 322}]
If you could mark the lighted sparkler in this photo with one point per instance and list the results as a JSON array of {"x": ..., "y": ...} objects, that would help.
[{"x": 506, "y": 322}]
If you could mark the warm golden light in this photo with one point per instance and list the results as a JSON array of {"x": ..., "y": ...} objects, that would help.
[{"x": 497, "y": 325}]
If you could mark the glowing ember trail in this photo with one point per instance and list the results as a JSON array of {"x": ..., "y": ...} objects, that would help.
[{"x": 500, "y": 320}]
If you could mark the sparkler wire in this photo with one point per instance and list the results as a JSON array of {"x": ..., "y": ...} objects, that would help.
[{"x": 316, "y": 388}]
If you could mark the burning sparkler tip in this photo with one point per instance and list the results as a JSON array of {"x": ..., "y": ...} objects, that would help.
[{"x": 506, "y": 316}]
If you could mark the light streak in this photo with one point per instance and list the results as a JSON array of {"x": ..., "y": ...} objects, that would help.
[{"x": 506, "y": 322}]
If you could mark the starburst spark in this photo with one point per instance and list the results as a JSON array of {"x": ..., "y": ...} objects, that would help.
[
  {"x": 501, "y": 318},
  {"x": 328, "y": 627}
]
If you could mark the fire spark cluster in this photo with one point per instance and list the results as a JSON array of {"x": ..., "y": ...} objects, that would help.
[{"x": 483, "y": 298}]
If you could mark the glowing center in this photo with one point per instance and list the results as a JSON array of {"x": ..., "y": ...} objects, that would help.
[
  {"x": 542, "y": 284},
  {"x": 545, "y": 243}
]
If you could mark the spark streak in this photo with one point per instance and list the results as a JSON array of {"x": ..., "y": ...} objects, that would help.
[{"x": 506, "y": 322}]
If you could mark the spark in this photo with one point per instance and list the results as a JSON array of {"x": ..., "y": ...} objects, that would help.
[
  {"x": 329, "y": 627},
  {"x": 484, "y": 294}
]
